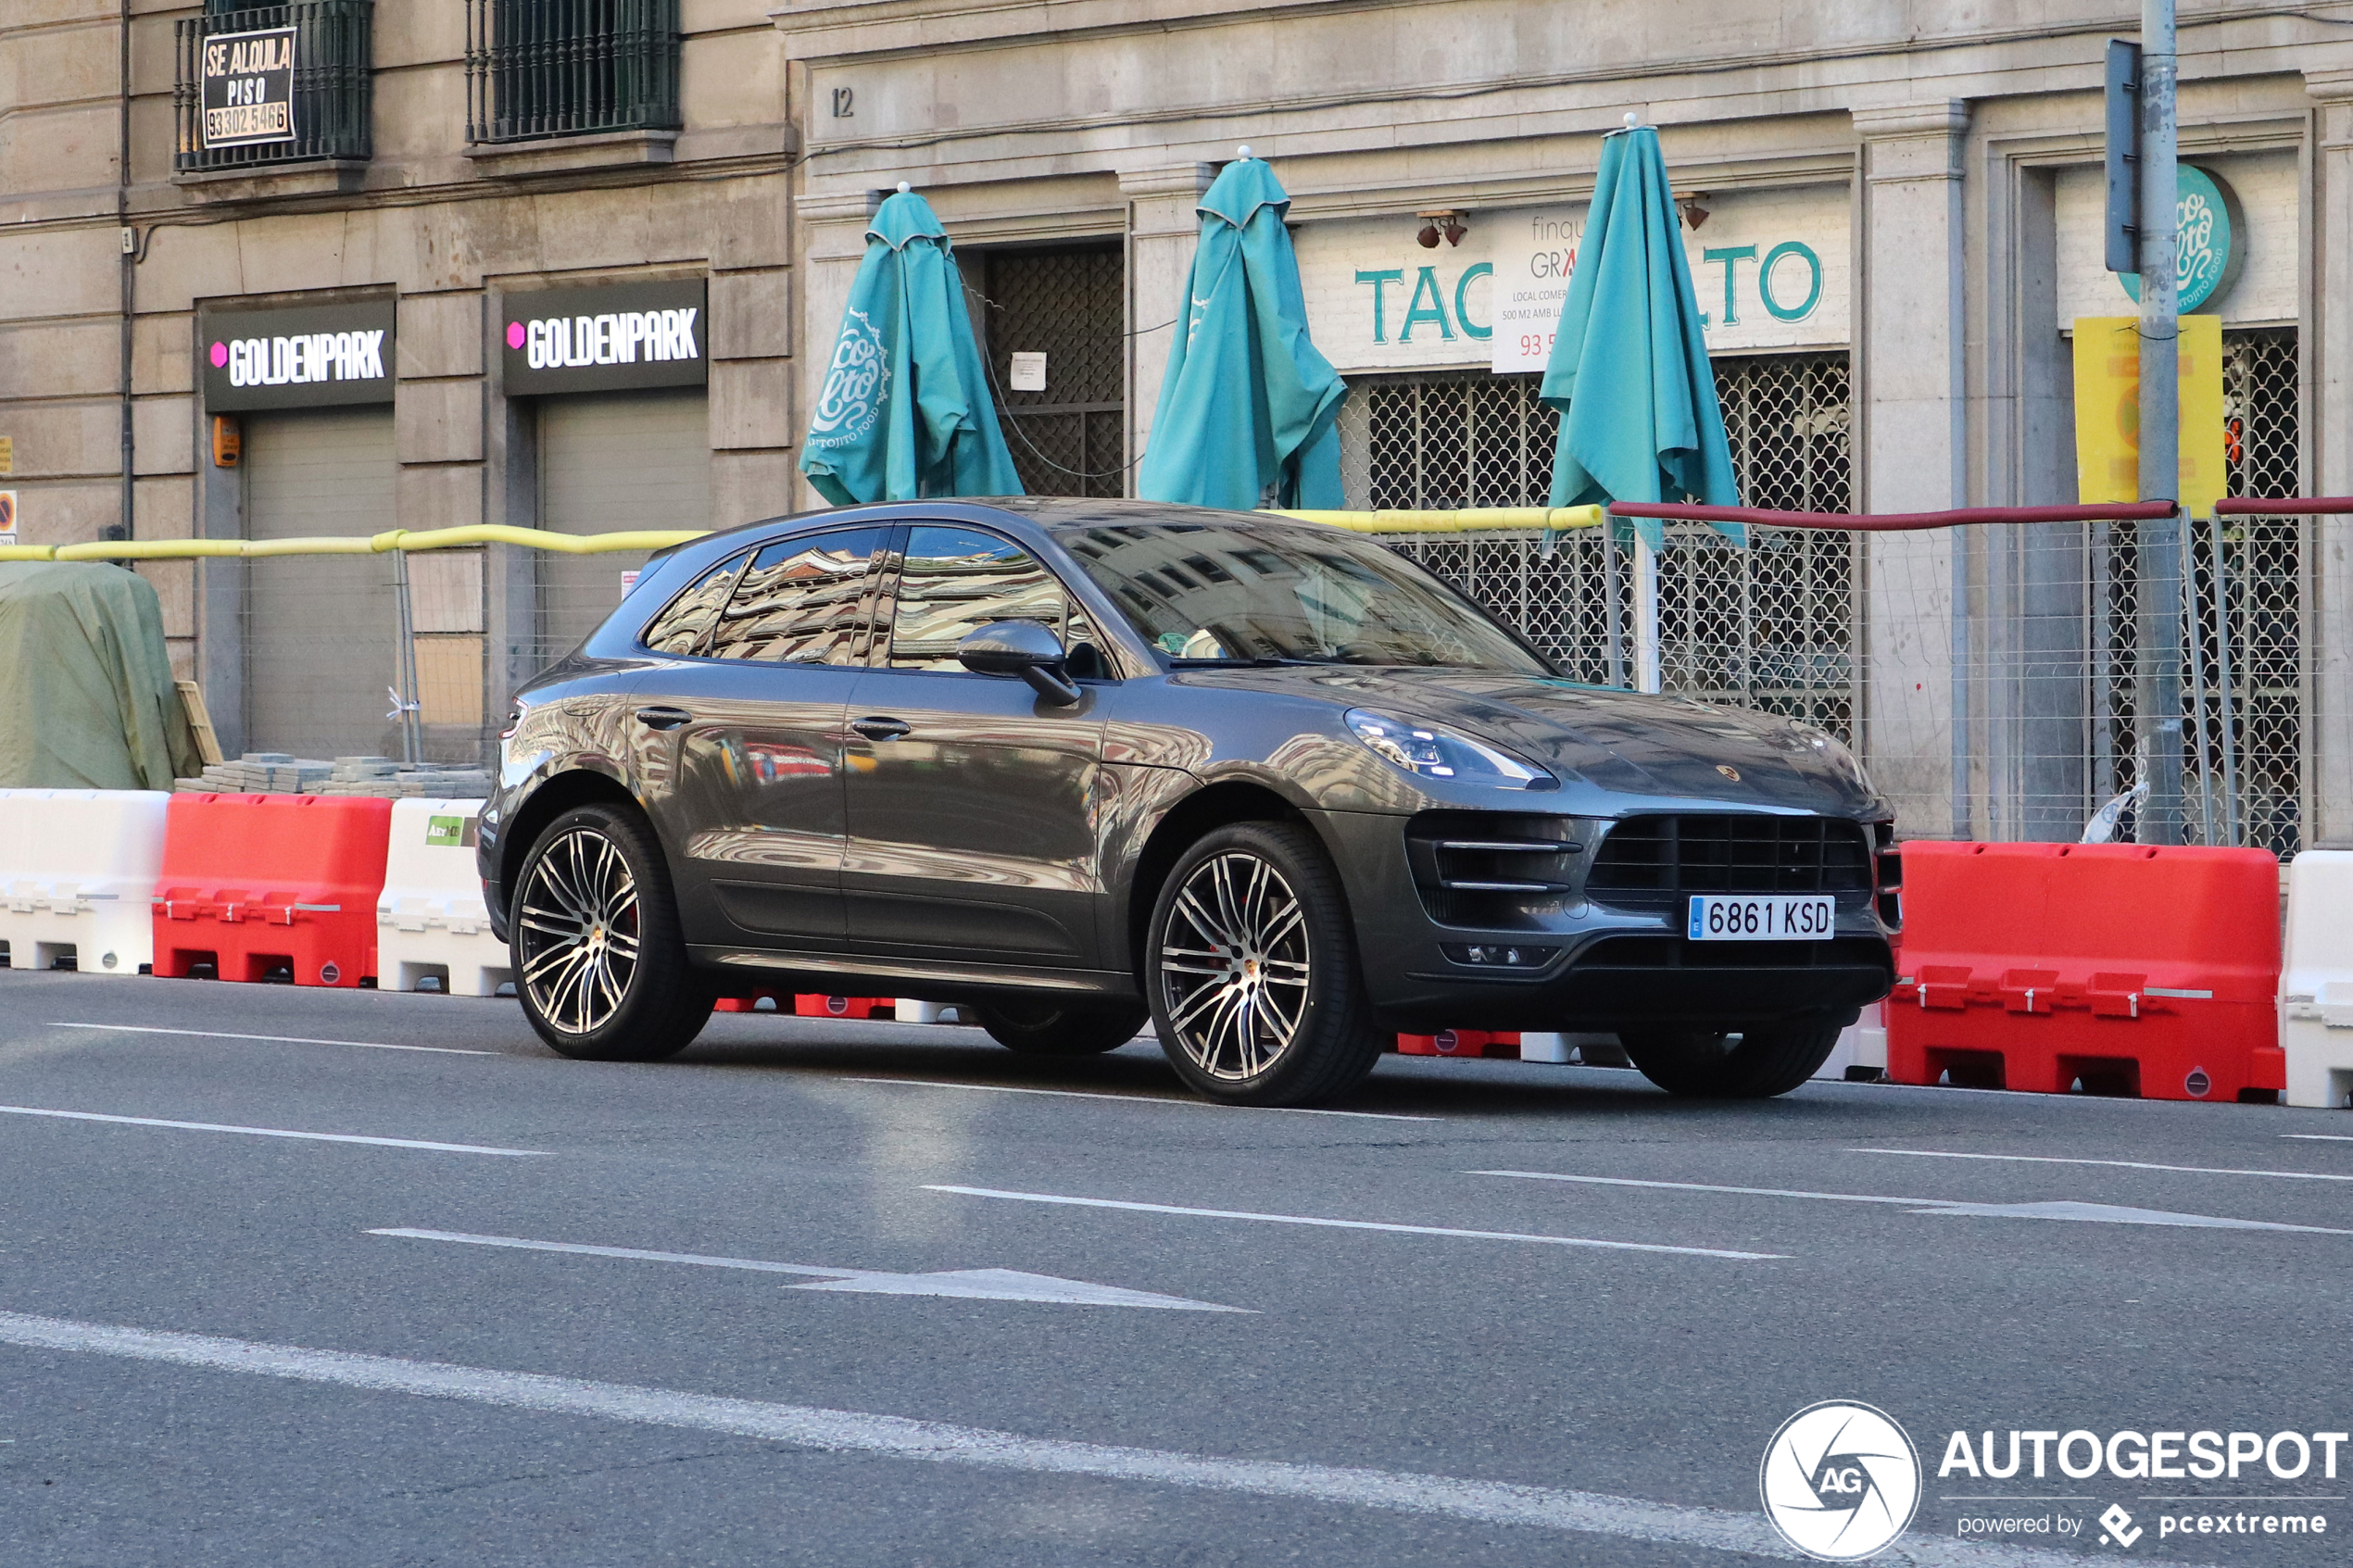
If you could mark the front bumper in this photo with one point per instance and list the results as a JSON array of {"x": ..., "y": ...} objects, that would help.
[{"x": 1601, "y": 968}]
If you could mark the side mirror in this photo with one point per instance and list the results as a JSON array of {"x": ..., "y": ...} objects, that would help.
[{"x": 1023, "y": 649}]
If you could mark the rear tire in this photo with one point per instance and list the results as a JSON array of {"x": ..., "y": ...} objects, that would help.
[
  {"x": 1749, "y": 1065},
  {"x": 1060, "y": 1028},
  {"x": 1251, "y": 967},
  {"x": 600, "y": 962}
]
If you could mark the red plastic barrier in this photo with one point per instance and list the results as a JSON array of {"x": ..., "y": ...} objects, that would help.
[
  {"x": 2138, "y": 970},
  {"x": 749, "y": 1001},
  {"x": 1460, "y": 1042},
  {"x": 254, "y": 882},
  {"x": 844, "y": 1006}
]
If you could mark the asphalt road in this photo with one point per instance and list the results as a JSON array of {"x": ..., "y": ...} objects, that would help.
[{"x": 210, "y": 1353}]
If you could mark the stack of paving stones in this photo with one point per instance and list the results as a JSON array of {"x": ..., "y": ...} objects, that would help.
[
  {"x": 276, "y": 773},
  {"x": 259, "y": 772},
  {"x": 383, "y": 779}
]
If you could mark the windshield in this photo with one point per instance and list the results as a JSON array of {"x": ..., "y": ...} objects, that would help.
[{"x": 1228, "y": 593}]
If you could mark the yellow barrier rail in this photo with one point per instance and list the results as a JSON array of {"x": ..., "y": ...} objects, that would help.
[
  {"x": 1464, "y": 520},
  {"x": 355, "y": 544}
]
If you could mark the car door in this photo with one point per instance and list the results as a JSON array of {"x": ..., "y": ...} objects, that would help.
[
  {"x": 970, "y": 798},
  {"x": 742, "y": 729}
]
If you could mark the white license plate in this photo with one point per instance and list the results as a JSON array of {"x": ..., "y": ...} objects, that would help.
[{"x": 1808, "y": 918}]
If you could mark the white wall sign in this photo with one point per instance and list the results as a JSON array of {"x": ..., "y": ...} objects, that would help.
[
  {"x": 2265, "y": 290},
  {"x": 1771, "y": 270}
]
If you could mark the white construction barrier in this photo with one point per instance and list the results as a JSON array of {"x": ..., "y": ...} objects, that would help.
[
  {"x": 78, "y": 877},
  {"x": 1861, "y": 1051},
  {"x": 431, "y": 921},
  {"x": 1590, "y": 1049},
  {"x": 2316, "y": 984},
  {"x": 907, "y": 1010}
]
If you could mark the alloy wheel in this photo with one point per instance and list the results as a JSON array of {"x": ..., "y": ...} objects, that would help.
[
  {"x": 579, "y": 925},
  {"x": 1234, "y": 966}
]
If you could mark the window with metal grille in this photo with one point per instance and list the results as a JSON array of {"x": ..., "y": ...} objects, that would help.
[
  {"x": 1069, "y": 305},
  {"x": 562, "y": 67},
  {"x": 2243, "y": 692},
  {"x": 1771, "y": 627},
  {"x": 334, "y": 82}
]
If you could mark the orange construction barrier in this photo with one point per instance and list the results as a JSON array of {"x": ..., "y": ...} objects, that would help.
[
  {"x": 1460, "y": 1042},
  {"x": 2130, "y": 969},
  {"x": 255, "y": 882}
]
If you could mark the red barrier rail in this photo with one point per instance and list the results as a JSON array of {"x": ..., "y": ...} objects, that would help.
[
  {"x": 1897, "y": 522},
  {"x": 2302, "y": 505}
]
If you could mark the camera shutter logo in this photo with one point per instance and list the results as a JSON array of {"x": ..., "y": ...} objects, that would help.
[{"x": 1839, "y": 1481}]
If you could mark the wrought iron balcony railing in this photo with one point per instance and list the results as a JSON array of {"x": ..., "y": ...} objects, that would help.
[
  {"x": 537, "y": 68},
  {"x": 333, "y": 86}
]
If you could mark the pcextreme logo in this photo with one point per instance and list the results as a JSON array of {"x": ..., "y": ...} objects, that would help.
[{"x": 1839, "y": 1481}]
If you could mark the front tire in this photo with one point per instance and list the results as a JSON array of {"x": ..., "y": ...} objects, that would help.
[
  {"x": 1059, "y": 1028},
  {"x": 600, "y": 962},
  {"x": 1251, "y": 968},
  {"x": 1750, "y": 1064}
]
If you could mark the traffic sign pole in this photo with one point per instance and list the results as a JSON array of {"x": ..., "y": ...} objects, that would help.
[{"x": 2158, "y": 675}]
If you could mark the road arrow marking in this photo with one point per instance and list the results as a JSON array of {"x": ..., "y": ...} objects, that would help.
[
  {"x": 982, "y": 1285},
  {"x": 2058, "y": 1208}
]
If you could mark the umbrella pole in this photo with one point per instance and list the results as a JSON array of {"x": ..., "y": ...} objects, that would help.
[
  {"x": 1617, "y": 618},
  {"x": 1646, "y": 615}
]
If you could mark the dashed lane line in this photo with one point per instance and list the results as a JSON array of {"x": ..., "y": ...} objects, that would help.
[
  {"x": 1139, "y": 1100},
  {"x": 271, "y": 1039},
  {"x": 1355, "y": 1224},
  {"x": 272, "y": 1131},
  {"x": 859, "y": 1432}
]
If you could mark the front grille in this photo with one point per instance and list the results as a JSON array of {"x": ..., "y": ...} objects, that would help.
[
  {"x": 1489, "y": 869},
  {"x": 1649, "y": 861}
]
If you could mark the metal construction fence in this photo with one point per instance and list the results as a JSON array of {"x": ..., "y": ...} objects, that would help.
[{"x": 1989, "y": 672}]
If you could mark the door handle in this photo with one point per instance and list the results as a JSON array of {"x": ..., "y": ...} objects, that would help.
[
  {"x": 663, "y": 718},
  {"x": 881, "y": 729}
]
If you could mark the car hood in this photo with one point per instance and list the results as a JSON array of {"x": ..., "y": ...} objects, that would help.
[{"x": 1623, "y": 742}]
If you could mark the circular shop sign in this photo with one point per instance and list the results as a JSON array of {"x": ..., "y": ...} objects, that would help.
[{"x": 2212, "y": 241}]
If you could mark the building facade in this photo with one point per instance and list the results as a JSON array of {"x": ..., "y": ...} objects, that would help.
[{"x": 1892, "y": 212}]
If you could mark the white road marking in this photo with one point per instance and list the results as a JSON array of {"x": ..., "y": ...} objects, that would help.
[
  {"x": 834, "y": 1431},
  {"x": 272, "y": 1039},
  {"x": 2320, "y": 1138},
  {"x": 1355, "y": 1224},
  {"x": 2058, "y": 1208},
  {"x": 984, "y": 1284},
  {"x": 272, "y": 1131},
  {"x": 1140, "y": 1099},
  {"x": 2120, "y": 1164}
]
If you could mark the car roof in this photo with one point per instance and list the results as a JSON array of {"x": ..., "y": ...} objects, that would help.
[{"x": 1047, "y": 514}]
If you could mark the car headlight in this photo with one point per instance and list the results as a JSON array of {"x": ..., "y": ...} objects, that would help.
[{"x": 1428, "y": 752}]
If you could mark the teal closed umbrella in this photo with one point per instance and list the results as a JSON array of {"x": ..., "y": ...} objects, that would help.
[
  {"x": 1246, "y": 410},
  {"x": 905, "y": 412},
  {"x": 1630, "y": 373}
]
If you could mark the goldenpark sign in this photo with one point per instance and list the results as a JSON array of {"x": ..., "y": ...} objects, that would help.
[
  {"x": 603, "y": 339},
  {"x": 297, "y": 358}
]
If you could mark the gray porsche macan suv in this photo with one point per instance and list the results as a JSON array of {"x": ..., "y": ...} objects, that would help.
[{"x": 1079, "y": 763}]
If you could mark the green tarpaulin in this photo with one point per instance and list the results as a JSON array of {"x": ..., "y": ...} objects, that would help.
[{"x": 86, "y": 693}]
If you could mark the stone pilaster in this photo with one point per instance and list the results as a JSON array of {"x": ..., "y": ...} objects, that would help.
[{"x": 1912, "y": 428}]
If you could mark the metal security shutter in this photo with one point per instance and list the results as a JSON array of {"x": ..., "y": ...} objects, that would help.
[
  {"x": 608, "y": 463},
  {"x": 1070, "y": 305},
  {"x": 320, "y": 632}
]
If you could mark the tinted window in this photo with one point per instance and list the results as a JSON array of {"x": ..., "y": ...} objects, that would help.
[
  {"x": 1223, "y": 592},
  {"x": 957, "y": 580},
  {"x": 680, "y": 628},
  {"x": 802, "y": 601}
]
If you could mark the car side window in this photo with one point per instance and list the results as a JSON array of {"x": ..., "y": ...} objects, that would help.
[
  {"x": 679, "y": 629},
  {"x": 954, "y": 581},
  {"x": 802, "y": 601}
]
